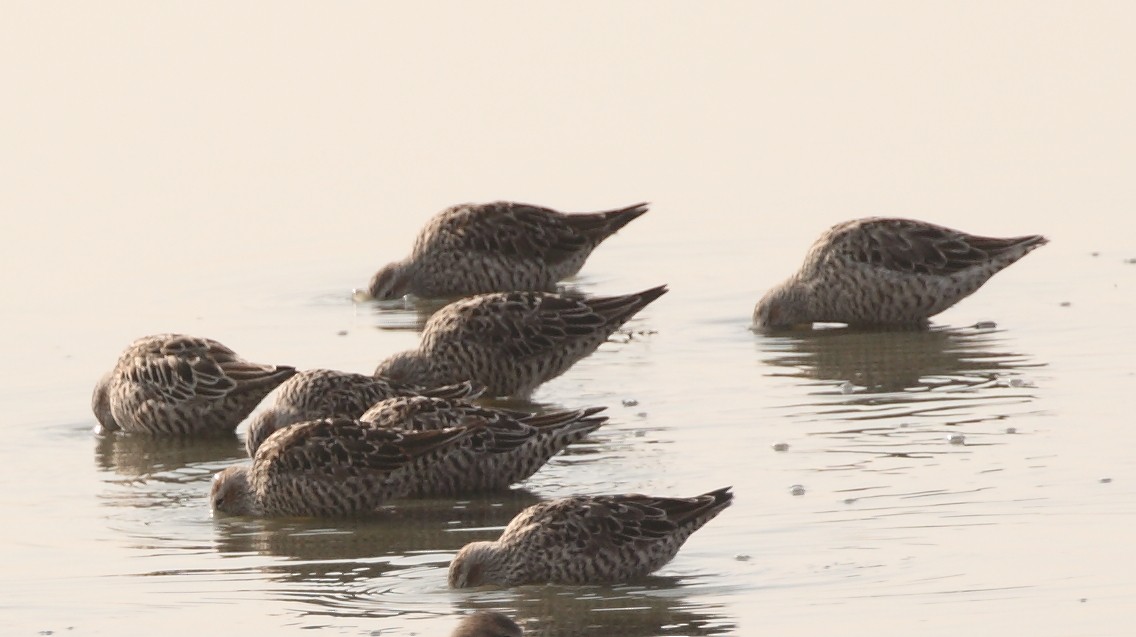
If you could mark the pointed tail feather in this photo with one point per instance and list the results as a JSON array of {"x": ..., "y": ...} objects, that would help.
[{"x": 616, "y": 219}]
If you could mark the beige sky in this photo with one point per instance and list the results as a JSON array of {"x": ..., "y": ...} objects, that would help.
[{"x": 270, "y": 128}]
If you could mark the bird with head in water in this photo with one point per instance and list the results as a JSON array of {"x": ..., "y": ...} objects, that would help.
[
  {"x": 174, "y": 384},
  {"x": 887, "y": 272},
  {"x": 605, "y": 539},
  {"x": 512, "y": 342},
  {"x": 501, "y": 246}
]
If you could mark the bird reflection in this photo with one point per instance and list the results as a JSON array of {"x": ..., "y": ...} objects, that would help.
[
  {"x": 652, "y": 608},
  {"x": 406, "y": 314},
  {"x": 381, "y": 568},
  {"x": 894, "y": 361},
  {"x": 350, "y": 551},
  {"x": 147, "y": 474},
  {"x": 890, "y": 397},
  {"x": 163, "y": 458}
]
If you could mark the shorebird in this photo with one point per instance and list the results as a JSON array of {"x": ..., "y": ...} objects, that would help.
[
  {"x": 586, "y": 540},
  {"x": 887, "y": 272},
  {"x": 335, "y": 467},
  {"x": 325, "y": 393},
  {"x": 497, "y": 247},
  {"x": 518, "y": 444},
  {"x": 173, "y": 384},
  {"x": 485, "y": 623},
  {"x": 512, "y": 342}
]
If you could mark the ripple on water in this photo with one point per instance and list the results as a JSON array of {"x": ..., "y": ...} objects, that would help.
[
  {"x": 881, "y": 361},
  {"x": 912, "y": 395},
  {"x": 399, "y": 314},
  {"x": 394, "y": 568},
  {"x": 658, "y": 606}
]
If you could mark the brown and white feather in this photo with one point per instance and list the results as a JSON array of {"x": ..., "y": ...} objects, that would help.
[
  {"x": 515, "y": 445},
  {"x": 887, "y": 272},
  {"x": 587, "y": 540},
  {"x": 173, "y": 384},
  {"x": 497, "y": 247},
  {"x": 325, "y": 393},
  {"x": 512, "y": 342},
  {"x": 335, "y": 467}
]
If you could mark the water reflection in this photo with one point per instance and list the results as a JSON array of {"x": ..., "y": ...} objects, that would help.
[
  {"x": 155, "y": 484},
  {"x": 655, "y": 607},
  {"x": 406, "y": 314},
  {"x": 382, "y": 567},
  {"x": 890, "y": 361},
  {"x": 406, "y": 527},
  {"x": 881, "y": 399},
  {"x": 164, "y": 459},
  {"x": 394, "y": 567}
]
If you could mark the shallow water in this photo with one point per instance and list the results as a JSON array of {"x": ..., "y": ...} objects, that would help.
[{"x": 235, "y": 174}]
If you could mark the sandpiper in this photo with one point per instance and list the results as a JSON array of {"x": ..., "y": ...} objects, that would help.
[
  {"x": 517, "y": 445},
  {"x": 512, "y": 342},
  {"x": 587, "y": 540},
  {"x": 173, "y": 384},
  {"x": 326, "y": 393},
  {"x": 887, "y": 272},
  {"x": 497, "y": 247},
  {"x": 335, "y": 467}
]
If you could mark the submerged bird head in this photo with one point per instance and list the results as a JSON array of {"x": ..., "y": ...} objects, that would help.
[
  {"x": 392, "y": 281},
  {"x": 487, "y": 623},
  {"x": 783, "y": 307},
  {"x": 474, "y": 565},
  {"x": 100, "y": 404},
  {"x": 231, "y": 492}
]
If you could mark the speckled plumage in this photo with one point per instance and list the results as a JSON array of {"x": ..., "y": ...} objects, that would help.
[
  {"x": 887, "y": 272},
  {"x": 485, "y": 623},
  {"x": 512, "y": 342},
  {"x": 587, "y": 540},
  {"x": 325, "y": 393},
  {"x": 520, "y": 443},
  {"x": 334, "y": 467},
  {"x": 173, "y": 384},
  {"x": 497, "y": 247}
]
